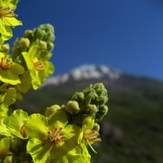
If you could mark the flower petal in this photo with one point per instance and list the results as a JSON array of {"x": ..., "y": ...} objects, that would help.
[
  {"x": 40, "y": 152},
  {"x": 11, "y": 21},
  {"x": 15, "y": 123},
  {"x": 37, "y": 126}
]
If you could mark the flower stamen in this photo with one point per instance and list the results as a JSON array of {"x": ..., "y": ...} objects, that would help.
[
  {"x": 55, "y": 136},
  {"x": 91, "y": 136},
  {"x": 5, "y": 63},
  {"x": 39, "y": 66},
  {"x": 6, "y": 12},
  {"x": 23, "y": 131}
]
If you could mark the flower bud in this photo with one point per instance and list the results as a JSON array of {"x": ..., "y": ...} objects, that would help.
[
  {"x": 24, "y": 43},
  {"x": 91, "y": 97},
  {"x": 78, "y": 96},
  {"x": 72, "y": 107},
  {"x": 28, "y": 34},
  {"x": 24, "y": 131},
  {"x": 100, "y": 88},
  {"x": 102, "y": 100},
  {"x": 50, "y": 46},
  {"x": 43, "y": 45},
  {"x": 102, "y": 113},
  {"x": 50, "y": 37},
  {"x": 40, "y": 34},
  {"x": 96, "y": 127},
  {"x": 92, "y": 108},
  {"x": 47, "y": 27},
  {"x": 5, "y": 48},
  {"x": 104, "y": 109},
  {"x": 88, "y": 122},
  {"x": 63, "y": 107},
  {"x": 52, "y": 110}
]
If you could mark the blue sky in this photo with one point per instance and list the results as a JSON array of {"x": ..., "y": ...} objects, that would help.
[{"x": 124, "y": 34}]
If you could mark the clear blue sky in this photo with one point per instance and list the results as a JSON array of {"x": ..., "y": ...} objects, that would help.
[{"x": 124, "y": 34}]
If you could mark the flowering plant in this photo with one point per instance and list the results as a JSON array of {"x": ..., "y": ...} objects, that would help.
[{"x": 64, "y": 134}]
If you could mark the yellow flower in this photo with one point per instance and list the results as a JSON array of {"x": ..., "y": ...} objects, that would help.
[
  {"x": 7, "y": 19},
  {"x": 9, "y": 70}
]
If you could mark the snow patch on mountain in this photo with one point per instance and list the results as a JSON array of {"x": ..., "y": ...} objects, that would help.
[{"x": 86, "y": 72}]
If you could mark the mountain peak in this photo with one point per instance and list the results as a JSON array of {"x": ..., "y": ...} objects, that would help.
[
  {"x": 86, "y": 72},
  {"x": 93, "y": 71}
]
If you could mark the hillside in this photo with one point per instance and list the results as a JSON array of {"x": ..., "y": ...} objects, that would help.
[{"x": 133, "y": 130}]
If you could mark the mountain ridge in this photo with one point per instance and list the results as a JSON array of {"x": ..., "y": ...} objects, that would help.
[{"x": 87, "y": 72}]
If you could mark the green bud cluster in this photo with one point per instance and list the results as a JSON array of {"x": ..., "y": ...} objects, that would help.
[
  {"x": 92, "y": 101},
  {"x": 87, "y": 108},
  {"x": 42, "y": 35}
]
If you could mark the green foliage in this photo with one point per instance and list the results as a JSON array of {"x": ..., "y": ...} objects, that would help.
[{"x": 65, "y": 132}]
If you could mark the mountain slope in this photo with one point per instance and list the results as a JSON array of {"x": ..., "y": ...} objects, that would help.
[{"x": 133, "y": 130}]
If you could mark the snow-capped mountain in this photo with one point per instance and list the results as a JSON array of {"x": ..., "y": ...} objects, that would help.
[{"x": 85, "y": 72}]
